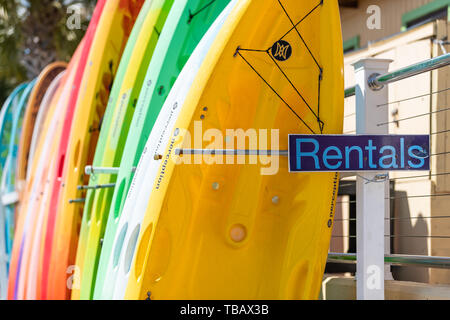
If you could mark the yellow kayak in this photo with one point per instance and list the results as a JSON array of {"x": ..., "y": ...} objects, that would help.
[{"x": 247, "y": 230}]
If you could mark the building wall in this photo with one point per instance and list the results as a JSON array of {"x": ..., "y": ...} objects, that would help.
[
  {"x": 354, "y": 21},
  {"x": 441, "y": 145}
]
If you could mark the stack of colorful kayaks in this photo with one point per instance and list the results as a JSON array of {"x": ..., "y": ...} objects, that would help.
[{"x": 100, "y": 196}]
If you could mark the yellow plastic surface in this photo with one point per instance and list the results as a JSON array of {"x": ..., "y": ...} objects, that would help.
[{"x": 226, "y": 231}]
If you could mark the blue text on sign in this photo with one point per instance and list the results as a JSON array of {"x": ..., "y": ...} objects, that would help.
[{"x": 358, "y": 153}]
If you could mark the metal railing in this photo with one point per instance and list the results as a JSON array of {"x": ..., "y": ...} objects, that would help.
[
  {"x": 396, "y": 259},
  {"x": 376, "y": 82},
  {"x": 370, "y": 97},
  {"x": 349, "y": 92}
]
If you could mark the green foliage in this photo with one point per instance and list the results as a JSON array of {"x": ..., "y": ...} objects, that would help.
[{"x": 34, "y": 33}]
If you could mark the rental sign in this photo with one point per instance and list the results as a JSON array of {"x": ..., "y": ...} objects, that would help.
[{"x": 312, "y": 153}]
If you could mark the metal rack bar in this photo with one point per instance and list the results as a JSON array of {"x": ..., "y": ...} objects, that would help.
[
  {"x": 81, "y": 200},
  {"x": 98, "y": 186},
  {"x": 281, "y": 153},
  {"x": 10, "y": 198},
  {"x": 90, "y": 170}
]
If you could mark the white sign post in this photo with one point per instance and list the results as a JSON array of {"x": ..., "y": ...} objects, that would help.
[{"x": 371, "y": 190}]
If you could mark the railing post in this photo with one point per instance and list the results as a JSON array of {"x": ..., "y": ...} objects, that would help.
[{"x": 371, "y": 196}]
